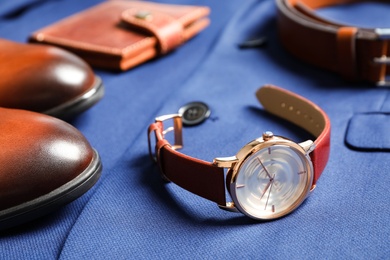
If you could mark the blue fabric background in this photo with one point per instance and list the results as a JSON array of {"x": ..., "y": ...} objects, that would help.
[{"x": 132, "y": 214}]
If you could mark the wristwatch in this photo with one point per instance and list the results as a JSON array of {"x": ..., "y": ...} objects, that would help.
[
  {"x": 355, "y": 53},
  {"x": 269, "y": 177}
]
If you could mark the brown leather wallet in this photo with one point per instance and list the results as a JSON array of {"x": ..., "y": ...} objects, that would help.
[
  {"x": 123, "y": 34},
  {"x": 355, "y": 53}
]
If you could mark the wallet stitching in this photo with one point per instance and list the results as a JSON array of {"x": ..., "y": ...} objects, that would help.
[
  {"x": 89, "y": 46},
  {"x": 134, "y": 45}
]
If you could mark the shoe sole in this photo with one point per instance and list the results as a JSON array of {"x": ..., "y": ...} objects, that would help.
[
  {"x": 80, "y": 103},
  {"x": 59, "y": 197}
]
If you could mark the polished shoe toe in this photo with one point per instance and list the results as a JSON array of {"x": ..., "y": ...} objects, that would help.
[
  {"x": 46, "y": 79},
  {"x": 46, "y": 163}
]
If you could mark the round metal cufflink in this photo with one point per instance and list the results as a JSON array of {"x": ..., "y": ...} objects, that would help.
[{"x": 194, "y": 113}]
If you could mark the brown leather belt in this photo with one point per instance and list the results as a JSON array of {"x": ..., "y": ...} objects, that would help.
[{"x": 355, "y": 53}]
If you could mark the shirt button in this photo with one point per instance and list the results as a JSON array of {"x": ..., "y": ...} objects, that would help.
[{"x": 194, "y": 113}]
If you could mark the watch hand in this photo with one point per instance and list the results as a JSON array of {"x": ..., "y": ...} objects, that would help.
[
  {"x": 269, "y": 193},
  {"x": 265, "y": 169},
  {"x": 269, "y": 176},
  {"x": 266, "y": 188}
]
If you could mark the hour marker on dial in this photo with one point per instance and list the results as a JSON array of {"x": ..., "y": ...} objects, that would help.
[{"x": 240, "y": 186}]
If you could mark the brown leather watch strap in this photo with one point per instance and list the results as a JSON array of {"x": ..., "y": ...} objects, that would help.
[
  {"x": 355, "y": 53},
  {"x": 304, "y": 113},
  {"x": 200, "y": 177},
  {"x": 205, "y": 178}
]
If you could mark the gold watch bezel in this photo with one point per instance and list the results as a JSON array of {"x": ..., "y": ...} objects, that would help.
[{"x": 251, "y": 148}]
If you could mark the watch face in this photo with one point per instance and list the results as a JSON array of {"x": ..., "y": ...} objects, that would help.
[{"x": 272, "y": 182}]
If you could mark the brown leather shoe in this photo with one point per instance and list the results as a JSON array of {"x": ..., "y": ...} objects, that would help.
[
  {"x": 45, "y": 163},
  {"x": 46, "y": 79}
]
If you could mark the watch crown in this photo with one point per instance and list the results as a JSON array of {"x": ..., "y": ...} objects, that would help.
[{"x": 267, "y": 135}]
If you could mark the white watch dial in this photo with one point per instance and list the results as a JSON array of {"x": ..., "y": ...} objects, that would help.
[{"x": 272, "y": 182}]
